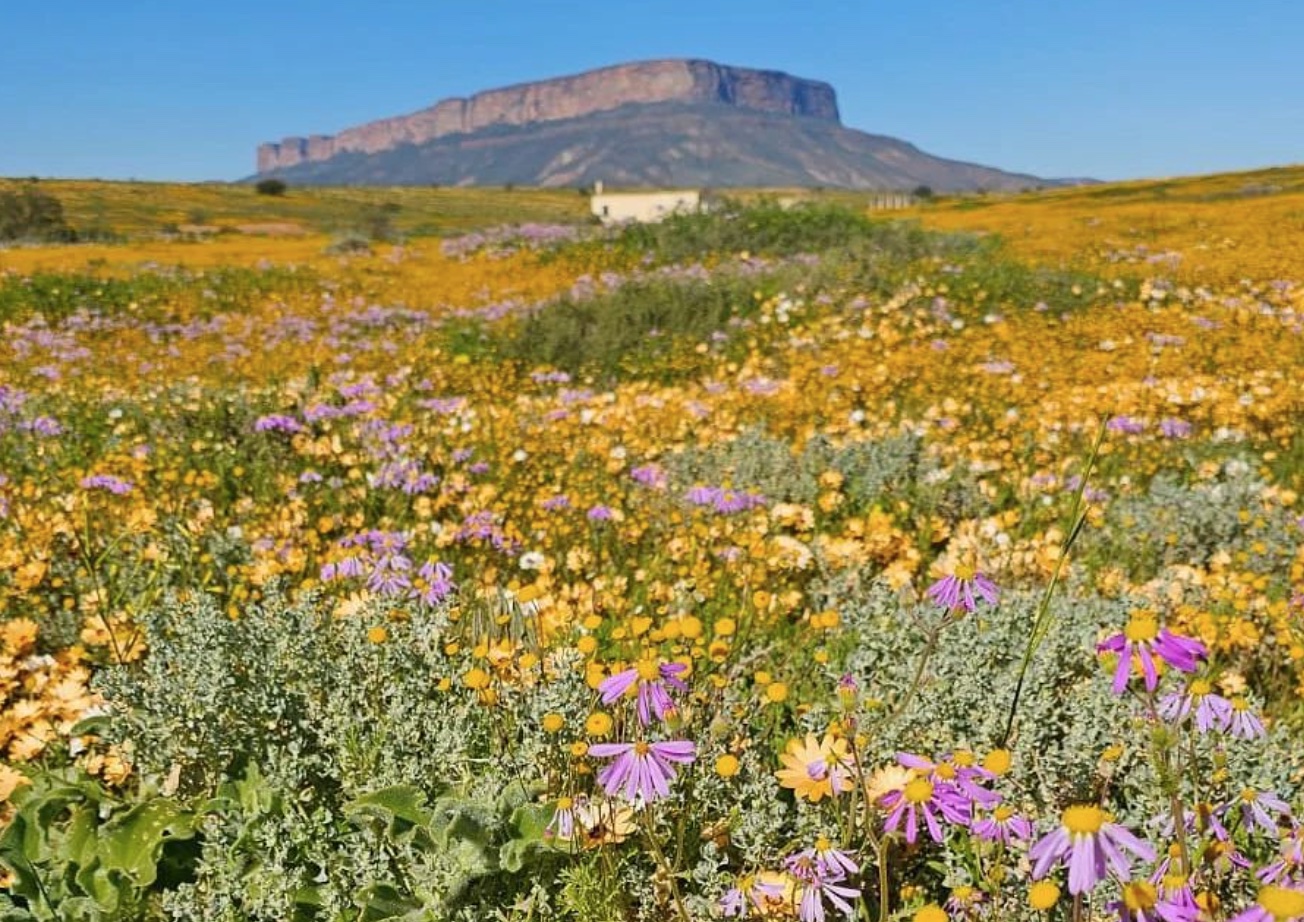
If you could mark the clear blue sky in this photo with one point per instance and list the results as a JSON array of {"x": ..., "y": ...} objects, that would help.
[{"x": 185, "y": 89}]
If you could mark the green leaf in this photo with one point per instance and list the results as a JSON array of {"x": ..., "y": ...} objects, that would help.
[
  {"x": 385, "y": 901},
  {"x": 400, "y": 808},
  {"x": 88, "y": 726},
  {"x": 133, "y": 842}
]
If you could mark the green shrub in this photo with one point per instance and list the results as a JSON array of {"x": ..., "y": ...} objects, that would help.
[
  {"x": 27, "y": 213},
  {"x": 271, "y": 186}
]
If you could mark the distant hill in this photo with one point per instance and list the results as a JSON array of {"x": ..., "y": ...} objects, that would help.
[{"x": 656, "y": 123}]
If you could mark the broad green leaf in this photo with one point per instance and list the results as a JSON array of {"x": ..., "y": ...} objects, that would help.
[{"x": 133, "y": 842}]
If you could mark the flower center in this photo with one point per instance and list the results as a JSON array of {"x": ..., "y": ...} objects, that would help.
[
  {"x": 1240, "y": 704},
  {"x": 1083, "y": 819},
  {"x": 1142, "y": 627},
  {"x": 1249, "y": 795},
  {"x": 1282, "y": 903},
  {"x": 1200, "y": 687},
  {"x": 919, "y": 790},
  {"x": 822, "y": 844},
  {"x": 564, "y": 803},
  {"x": 1139, "y": 895},
  {"x": 648, "y": 670},
  {"x": 1003, "y": 813},
  {"x": 945, "y": 772},
  {"x": 965, "y": 572},
  {"x": 641, "y": 748}
]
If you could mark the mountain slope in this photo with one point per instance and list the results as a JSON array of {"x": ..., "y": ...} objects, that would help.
[{"x": 660, "y": 144}]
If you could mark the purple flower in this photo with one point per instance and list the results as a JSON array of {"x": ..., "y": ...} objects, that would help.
[
  {"x": 1141, "y": 641},
  {"x": 438, "y": 580},
  {"x": 1172, "y": 428},
  {"x": 956, "y": 591},
  {"x": 600, "y": 513},
  {"x": 651, "y": 680},
  {"x": 1004, "y": 825},
  {"x": 1259, "y": 810},
  {"x": 1290, "y": 860},
  {"x": 115, "y": 485},
  {"x": 1126, "y": 425},
  {"x": 649, "y": 475},
  {"x": 1091, "y": 845},
  {"x": 642, "y": 770},
  {"x": 759, "y": 896},
  {"x": 1275, "y": 904},
  {"x": 923, "y": 798},
  {"x": 1211, "y": 711},
  {"x": 818, "y": 881},
  {"x": 1244, "y": 725},
  {"x": 277, "y": 422}
]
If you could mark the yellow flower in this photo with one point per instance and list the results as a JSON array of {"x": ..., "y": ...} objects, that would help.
[
  {"x": 553, "y": 722},
  {"x": 476, "y": 678},
  {"x": 776, "y": 692},
  {"x": 814, "y": 769},
  {"x": 598, "y": 724},
  {"x": 1043, "y": 895},
  {"x": 377, "y": 634},
  {"x": 930, "y": 913},
  {"x": 726, "y": 766},
  {"x": 997, "y": 761}
]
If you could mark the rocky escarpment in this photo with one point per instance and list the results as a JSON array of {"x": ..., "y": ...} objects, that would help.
[{"x": 651, "y": 82}]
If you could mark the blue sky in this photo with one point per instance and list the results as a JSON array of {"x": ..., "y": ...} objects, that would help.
[{"x": 184, "y": 89}]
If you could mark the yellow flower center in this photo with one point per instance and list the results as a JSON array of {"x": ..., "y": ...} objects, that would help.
[
  {"x": 919, "y": 790},
  {"x": 1003, "y": 813},
  {"x": 1249, "y": 795},
  {"x": 997, "y": 761},
  {"x": 965, "y": 572},
  {"x": 1043, "y": 895},
  {"x": 1083, "y": 819},
  {"x": 931, "y": 913},
  {"x": 1142, "y": 627},
  {"x": 565, "y": 803},
  {"x": 945, "y": 772},
  {"x": 1173, "y": 882},
  {"x": 1139, "y": 895},
  {"x": 648, "y": 670},
  {"x": 1200, "y": 687},
  {"x": 1282, "y": 903},
  {"x": 641, "y": 748},
  {"x": 1240, "y": 704},
  {"x": 822, "y": 844},
  {"x": 963, "y": 758}
]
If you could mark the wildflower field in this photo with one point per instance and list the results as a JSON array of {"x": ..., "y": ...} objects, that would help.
[{"x": 769, "y": 563}]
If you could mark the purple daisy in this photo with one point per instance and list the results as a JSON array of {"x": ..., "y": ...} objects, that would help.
[
  {"x": 1141, "y": 641},
  {"x": 1091, "y": 845},
  {"x": 642, "y": 770},
  {"x": 1212, "y": 711},
  {"x": 652, "y": 681},
  {"x": 962, "y": 589}
]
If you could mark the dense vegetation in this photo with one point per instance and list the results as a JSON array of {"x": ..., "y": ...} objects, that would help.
[{"x": 773, "y": 562}]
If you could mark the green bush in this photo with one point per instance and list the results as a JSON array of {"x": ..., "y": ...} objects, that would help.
[
  {"x": 271, "y": 186},
  {"x": 27, "y": 213}
]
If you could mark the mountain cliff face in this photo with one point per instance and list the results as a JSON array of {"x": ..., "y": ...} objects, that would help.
[
  {"x": 656, "y": 123},
  {"x": 567, "y": 98}
]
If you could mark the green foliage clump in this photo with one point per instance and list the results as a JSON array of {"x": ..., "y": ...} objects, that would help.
[
  {"x": 271, "y": 186},
  {"x": 765, "y": 228},
  {"x": 28, "y": 213}
]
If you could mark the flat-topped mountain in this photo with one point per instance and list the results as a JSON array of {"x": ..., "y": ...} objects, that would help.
[{"x": 659, "y": 123}]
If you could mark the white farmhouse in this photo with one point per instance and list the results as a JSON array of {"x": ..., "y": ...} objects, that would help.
[{"x": 618, "y": 207}]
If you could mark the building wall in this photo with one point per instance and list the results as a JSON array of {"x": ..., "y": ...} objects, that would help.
[{"x": 615, "y": 207}]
